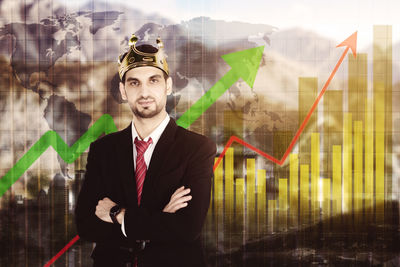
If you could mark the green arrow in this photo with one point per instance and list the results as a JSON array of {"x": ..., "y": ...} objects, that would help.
[
  {"x": 244, "y": 64},
  {"x": 105, "y": 124}
]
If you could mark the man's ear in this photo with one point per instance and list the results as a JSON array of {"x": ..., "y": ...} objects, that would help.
[
  {"x": 169, "y": 85},
  {"x": 122, "y": 91}
]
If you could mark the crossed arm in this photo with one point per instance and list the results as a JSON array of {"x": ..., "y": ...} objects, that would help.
[
  {"x": 181, "y": 219},
  {"x": 178, "y": 201}
]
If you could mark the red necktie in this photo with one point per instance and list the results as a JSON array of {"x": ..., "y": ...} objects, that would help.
[{"x": 141, "y": 168}]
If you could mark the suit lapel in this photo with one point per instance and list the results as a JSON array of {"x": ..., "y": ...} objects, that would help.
[
  {"x": 160, "y": 153},
  {"x": 125, "y": 159}
]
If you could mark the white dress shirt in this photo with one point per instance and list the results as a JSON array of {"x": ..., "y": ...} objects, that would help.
[{"x": 155, "y": 136}]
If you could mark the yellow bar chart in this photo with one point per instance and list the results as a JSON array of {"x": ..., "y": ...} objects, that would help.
[{"x": 332, "y": 177}]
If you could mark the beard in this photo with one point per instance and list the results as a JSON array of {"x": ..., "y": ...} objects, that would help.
[{"x": 146, "y": 112}]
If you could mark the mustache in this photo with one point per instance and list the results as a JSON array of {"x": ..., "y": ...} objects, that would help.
[{"x": 145, "y": 98}]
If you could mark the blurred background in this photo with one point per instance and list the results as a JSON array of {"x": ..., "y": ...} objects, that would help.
[{"x": 333, "y": 202}]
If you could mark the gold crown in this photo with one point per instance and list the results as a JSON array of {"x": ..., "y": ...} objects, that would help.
[{"x": 135, "y": 58}]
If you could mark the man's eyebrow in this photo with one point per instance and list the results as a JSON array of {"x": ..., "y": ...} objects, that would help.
[
  {"x": 155, "y": 76},
  {"x": 131, "y": 79}
]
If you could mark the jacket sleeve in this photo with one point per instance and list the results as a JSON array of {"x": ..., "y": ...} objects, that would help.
[
  {"x": 185, "y": 224},
  {"x": 89, "y": 226}
]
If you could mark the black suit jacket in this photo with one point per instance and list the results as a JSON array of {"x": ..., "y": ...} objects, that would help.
[{"x": 181, "y": 157}]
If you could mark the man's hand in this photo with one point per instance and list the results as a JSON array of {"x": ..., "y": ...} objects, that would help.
[
  {"x": 178, "y": 200},
  {"x": 103, "y": 209}
]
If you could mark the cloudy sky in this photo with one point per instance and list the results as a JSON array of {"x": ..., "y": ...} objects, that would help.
[{"x": 335, "y": 19}]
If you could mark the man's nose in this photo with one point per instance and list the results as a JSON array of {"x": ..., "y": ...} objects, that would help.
[{"x": 145, "y": 91}]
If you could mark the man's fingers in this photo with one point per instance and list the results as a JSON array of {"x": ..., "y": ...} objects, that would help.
[
  {"x": 180, "y": 194},
  {"x": 176, "y": 207},
  {"x": 179, "y": 206},
  {"x": 182, "y": 199},
  {"x": 179, "y": 203},
  {"x": 178, "y": 200},
  {"x": 177, "y": 191},
  {"x": 106, "y": 200}
]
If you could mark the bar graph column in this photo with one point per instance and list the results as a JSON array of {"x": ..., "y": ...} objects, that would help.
[
  {"x": 347, "y": 164},
  {"x": 332, "y": 128},
  {"x": 315, "y": 155},
  {"x": 239, "y": 208},
  {"x": 280, "y": 143},
  {"x": 304, "y": 193},
  {"x": 379, "y": 98},
  {"x": 357, "y": 85},
  {"x": 308, "y": 91},
  {"x": 294, "y": 190},
  {"x": 337, "y": 181},
  {"x": 358, "y": 171},
  {"x": 283, "y": 204},
  {"x": 229, "y": 195},
  {"x": 357, "y": 92},
  {"x": 369, "y": 160},
  {"x": 261, "y": 201},
  {"x": 250, "y": 196},
  {"x": 233, "y": 125},
  {"x": 382, "y": 86}
]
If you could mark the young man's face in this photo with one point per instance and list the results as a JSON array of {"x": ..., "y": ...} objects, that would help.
[{"x": 146, "y": 91}]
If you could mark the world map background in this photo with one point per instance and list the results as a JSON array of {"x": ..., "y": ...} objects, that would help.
[{"x": 59, "y": 72}]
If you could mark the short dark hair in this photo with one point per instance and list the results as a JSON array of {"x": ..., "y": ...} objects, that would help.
[{"x": 146, "y": 48}]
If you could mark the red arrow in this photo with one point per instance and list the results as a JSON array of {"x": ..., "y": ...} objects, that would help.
[
  {"x": 62, "y": 251},
  {"x": 350, "y": 43}
]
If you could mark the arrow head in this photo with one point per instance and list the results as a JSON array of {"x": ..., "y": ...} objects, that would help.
[
  {"x": 350, "y": 42},
  {"x": 245, "y": 63}
]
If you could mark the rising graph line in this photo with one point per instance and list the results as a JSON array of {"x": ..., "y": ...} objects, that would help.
[
  {"x": 350, "y": 43},
  {"x": 244, "y": 64},
  {"x": 105, "y": 124},
  {"x": 62, "y": 251}
]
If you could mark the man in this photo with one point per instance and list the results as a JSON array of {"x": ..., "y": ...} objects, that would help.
[{"x": 147, "y": 188}]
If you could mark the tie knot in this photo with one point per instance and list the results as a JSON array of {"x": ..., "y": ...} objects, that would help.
[{"x": 141, "y": 146}]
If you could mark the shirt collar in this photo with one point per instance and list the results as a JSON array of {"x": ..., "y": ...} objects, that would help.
[{"x": 155, "y": 135}]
